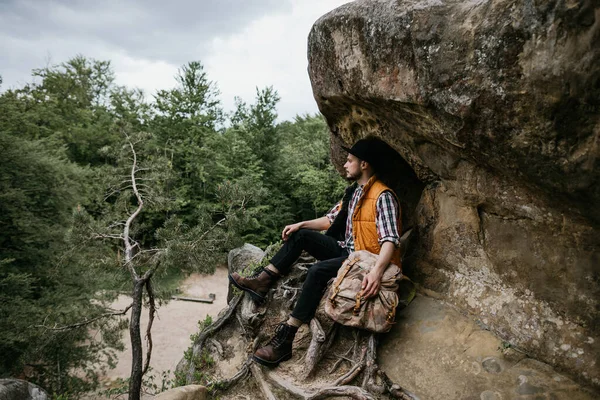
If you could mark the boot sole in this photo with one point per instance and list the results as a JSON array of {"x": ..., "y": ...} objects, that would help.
[
  {"x": 275, "y": 363},
  {"x": 255, "y": 296}
]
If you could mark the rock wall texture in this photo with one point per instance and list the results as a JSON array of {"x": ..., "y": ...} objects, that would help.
[
  {"x": 494, "y": 107},
  {"x": 17, "y": 389}
]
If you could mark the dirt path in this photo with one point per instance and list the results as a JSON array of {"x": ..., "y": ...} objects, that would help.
[{"x": 174, "y": 324}]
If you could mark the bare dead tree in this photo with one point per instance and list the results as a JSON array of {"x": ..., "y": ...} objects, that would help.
[{"x": 142, "y": 265}]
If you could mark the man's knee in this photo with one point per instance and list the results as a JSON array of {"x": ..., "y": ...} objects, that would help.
[
  {"x": 319, "y": 271},
  {"x": 300, "y": 233}
]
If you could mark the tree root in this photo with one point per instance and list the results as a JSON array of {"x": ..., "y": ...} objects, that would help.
[
  {"x": 249, "y": 317},
  {"x": 372, "y": 372},
  {"x": 374, "y": 380},
  {"x": 262, "y": 383},
  {"x": 211, "y": 330},
  {"x": 324, "y": 392},
  {"x": 362, "y": 380},
  {"x": 218, "y": 347},
  {"x": 214, "y": 327},
  {"x": 313, "y": 352},
  {"x": 319, "y": 345},
  {"x": 225, "y": 384},
  {"x": 344, "y": 357},
  {"x": 353, "y": 373}
]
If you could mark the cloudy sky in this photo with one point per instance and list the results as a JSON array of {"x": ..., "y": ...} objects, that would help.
[{"x": 242, "y": 43}]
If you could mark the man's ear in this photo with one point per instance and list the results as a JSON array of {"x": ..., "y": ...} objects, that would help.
[{"x": 364, "y": 164}]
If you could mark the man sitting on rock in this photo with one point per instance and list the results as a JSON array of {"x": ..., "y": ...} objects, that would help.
[{"x": 367, "y": 218}]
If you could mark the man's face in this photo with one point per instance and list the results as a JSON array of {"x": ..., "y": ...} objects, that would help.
[{"x": 353, "y": 167}]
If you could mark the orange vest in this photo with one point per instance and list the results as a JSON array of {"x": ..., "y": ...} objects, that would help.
[{"x": 364, "y": 228}]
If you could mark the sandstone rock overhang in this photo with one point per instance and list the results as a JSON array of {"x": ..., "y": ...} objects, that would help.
[
  {"x": 511, "y": 85},
  {"x": 495, "y": 105}
]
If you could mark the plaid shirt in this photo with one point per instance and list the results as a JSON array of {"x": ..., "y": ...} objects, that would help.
[{"x": 386, "y": 219}]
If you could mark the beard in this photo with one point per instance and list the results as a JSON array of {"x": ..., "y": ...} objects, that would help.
[{"x": 352, "y": 177}]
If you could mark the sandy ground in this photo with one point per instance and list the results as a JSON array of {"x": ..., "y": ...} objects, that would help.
[{"x": 174, "y": 324}]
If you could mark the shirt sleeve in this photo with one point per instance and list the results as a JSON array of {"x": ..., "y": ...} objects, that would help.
[
  {"x": 388, "y": 213},
  {"x": 334, "y": 212}
]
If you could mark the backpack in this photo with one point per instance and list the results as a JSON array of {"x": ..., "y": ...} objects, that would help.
[{"x": 344, "y": 302}]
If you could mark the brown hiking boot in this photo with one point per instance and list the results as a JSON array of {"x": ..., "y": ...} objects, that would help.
[
  {"x": 257, "y": 285},
  {"x": 279, "y": 347}
]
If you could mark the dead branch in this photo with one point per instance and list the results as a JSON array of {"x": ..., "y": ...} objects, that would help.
[
  {"x": 126, "y": 238},
  {"x": 286, "y": 287},
  {"x": 151, "y": 313},
  {"x": 143, "y": 252},
  {"x": 342, "y": 358},
  {"x": 337, "y": 364},
  {"x": 353, "y": 372},
  {"x": 220, "y": 222},
  {"x": 350, "y": 375},
  {"x": 86, "y": 322},
  {"x": 107, "y": 236},
  {"x": 306, "y": 258}
]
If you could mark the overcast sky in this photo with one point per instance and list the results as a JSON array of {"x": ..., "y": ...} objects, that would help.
[{"x": 242, "y": 43}]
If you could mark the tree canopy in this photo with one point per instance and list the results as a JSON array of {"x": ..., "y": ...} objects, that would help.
[{"x": 64, "y": 140}]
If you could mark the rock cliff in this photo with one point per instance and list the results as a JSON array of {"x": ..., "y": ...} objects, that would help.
[{"x": 494, "y": 108}]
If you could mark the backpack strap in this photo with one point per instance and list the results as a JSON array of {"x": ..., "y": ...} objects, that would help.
[
  {"x": 336, "y": 285},
  {"x": 356, "y": 309}
]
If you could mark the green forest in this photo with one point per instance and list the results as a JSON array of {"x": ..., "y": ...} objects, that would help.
[{"x": 206, "y": 181}]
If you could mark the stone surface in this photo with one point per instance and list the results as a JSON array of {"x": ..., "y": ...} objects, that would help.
[
  {"x": 189, "y": 392},
  {"x": 437, "y": 353},
  {"x": 17, "y": 389},
  {"x": 241, "y": 258},
  {"x": 494, "y": 106}
]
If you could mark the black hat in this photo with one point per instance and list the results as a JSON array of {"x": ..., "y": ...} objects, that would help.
[{"x": 369, "y": 149}]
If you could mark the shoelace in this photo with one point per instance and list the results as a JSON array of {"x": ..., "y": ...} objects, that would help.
[{"x": 280, "y": 334}]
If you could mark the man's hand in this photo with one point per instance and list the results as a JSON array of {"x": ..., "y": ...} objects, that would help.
[
  {"x": 319, "y": 224},
  {"x": 288, "y": 230},
  {"x": 371, "y": 283}
]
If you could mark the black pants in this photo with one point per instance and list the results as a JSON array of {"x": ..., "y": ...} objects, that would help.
[{"x": 331, "y": 257}]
